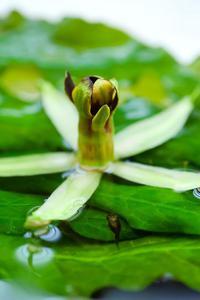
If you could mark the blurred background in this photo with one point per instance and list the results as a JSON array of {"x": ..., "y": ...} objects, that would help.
[{"x": 172, "y": 24}]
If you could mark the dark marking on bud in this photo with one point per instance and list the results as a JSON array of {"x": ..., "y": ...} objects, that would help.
[
  {"x": 69, "y": 85},
  {"x": 94, "y": 78},
  {"x": 115, "y": 101},
  {"x": 115, "y": 225}
]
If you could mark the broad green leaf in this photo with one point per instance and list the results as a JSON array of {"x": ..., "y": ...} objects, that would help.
[
  {"x": 150, "y": 208},
  {"x": 37, "y": 184},
  {"x": 21, "y": 81},
  {"x": 10, "y": 22},
  {"x": 92, "y": 223},
  {"x": 36, "y": 164},
  {"x": 153, "y": 131},
  {"x": 14, "y": 208},
  {"x": 67, "y": 199},
  {"x": 156, "y": 176},
  {"x": 25, "y": 127},
  {"x": 93, "y": 35},
  {"x": 150, "y": 86},
  {"x": 144, "y": 208},
  {"x": 61, "y": 112},
  {"x": 133, "y": 265},
  {"x": 47, "y": 51}
]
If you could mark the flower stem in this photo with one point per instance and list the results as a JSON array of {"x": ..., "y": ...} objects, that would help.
[{"x": 95, "y": 146}]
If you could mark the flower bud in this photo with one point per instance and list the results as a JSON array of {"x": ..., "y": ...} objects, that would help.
[
  {"x": 91, "y": 94},
  {"x": 95, "y": 99}
]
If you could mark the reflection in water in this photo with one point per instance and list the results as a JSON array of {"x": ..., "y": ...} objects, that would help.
[
  {"x": 51, "y": 234},
  {"x": 11, "y": 291},
  {"x": 32, "y": 210},
  {"x": 77, "y": 214},
  {"x": 34, "y": 255},
  {"x": 68, "y": 173},
  {"x": 196, "y": 193}
]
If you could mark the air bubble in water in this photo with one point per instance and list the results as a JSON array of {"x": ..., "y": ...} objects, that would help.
[
  {"x": 196, "y": 193},
  {"x": 41, "y": 256},
  {"x": 68, "y": 173},
  {"x": 32, "y": 210},
  {"x": 77, "y": 214},
  {"x": 51, "y": 234}
]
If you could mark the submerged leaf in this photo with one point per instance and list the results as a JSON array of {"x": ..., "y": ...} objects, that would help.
[
  {"x": 92, "y": 223},
  {"x": 14, "y": 208},
  {"x": 150, "y": 208},
  {"x": 134, "y": 265}
]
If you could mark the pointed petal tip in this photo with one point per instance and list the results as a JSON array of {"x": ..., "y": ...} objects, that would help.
[
  {"x": 69, "y": 85},
  {"x": 34, "y": 222}
]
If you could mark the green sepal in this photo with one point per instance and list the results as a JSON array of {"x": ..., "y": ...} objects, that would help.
[
  {"x": 101, "y": 117},
  {"x": 81, "y": 96}
]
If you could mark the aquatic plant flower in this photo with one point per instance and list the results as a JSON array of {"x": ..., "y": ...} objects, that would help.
[{"x": 85, "y": 122}]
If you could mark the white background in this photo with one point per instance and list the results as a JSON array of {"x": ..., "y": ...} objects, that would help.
[{"x": 173, "y": 24}]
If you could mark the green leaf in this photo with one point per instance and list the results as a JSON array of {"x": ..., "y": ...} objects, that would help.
[
  {"x": 47, "y": 52},
  {"x": 21, "y": 81},
  {"x": 25, "y": 127},
  {"x": 92, "y": 223},
  {"x": 91, "y": 35},
  {"x": 14, "y": 208},
  {"x": 132, "y": 266},
  {"x": 10, "y": 22},
  {"x": 150, "y": 208}
]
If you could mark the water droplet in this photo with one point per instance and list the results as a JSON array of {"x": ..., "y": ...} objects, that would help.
[
  {"x": 28, "y": 235},
  {"x": 40, "y": 255},
  {"x": 167, "y": 277},
  {"x": 77, "y": 214},
  {"x": 32, "y": 210},
  {"x": 51, "y": 234},
  {"x": 67, "y": 145},
  {"x": 68, "y": 173},
  {"x": 109, "y": 169},
  {"x": 196, "y": 193}
]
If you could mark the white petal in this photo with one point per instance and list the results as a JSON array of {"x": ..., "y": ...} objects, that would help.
[
  {"x": 36, "y": 164},
  {"x": 156, "y": 176},
  {"x": 67, "y": 199},
  {"x": 61, "y": 112},
  {"x": 154, "y": 131}
]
